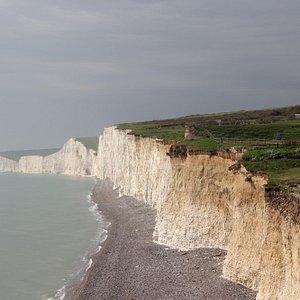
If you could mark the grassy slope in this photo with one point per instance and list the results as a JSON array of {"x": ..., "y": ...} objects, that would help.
[
  {"x": 89, "y": 142},
  {"x": 253, "y": 130}
]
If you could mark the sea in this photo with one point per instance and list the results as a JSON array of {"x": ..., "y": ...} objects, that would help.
[{"x": 49, "y": 231}]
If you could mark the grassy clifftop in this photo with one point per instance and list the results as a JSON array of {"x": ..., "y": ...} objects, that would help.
[
  {"x": 270, "y": 136},
  {"x": 89, "y": 142}
]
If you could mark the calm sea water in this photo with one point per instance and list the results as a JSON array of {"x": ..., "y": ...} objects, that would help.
[{"x": 48, "y": 231}]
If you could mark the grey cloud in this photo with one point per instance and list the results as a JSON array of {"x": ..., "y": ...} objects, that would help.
[{"x": 76, "y": 66}]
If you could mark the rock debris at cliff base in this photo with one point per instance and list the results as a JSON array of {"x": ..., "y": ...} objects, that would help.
[{"x": 131, "y": 266}]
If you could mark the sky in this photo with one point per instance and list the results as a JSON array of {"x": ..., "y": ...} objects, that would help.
[{"x": 69, "y": 68}]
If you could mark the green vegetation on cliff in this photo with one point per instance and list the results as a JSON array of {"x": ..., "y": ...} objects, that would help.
[
  {"x": 89, "y": 142},
  {"x": 271, "y": 138}
]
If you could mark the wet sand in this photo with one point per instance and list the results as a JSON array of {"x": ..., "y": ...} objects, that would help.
[{"x": 131, "y": 266}]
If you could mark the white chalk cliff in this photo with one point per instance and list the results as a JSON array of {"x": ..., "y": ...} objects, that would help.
[
  {"x": 72, "y": 159},
  {"x": 138, "y": 166},
  {"x": 202, "y": 200},
  {"x": 205, "y": 200},
  {"x": 8, "y": 165}
]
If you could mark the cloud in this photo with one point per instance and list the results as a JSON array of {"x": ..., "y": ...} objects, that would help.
[{"x": 208, "y": 54}]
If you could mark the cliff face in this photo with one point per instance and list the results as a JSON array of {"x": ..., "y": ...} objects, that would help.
[
  {"x": 8, "y": 165},
  {"x": 280, "y": 259},
  {"x": 73, "y": 159},
  {"x": 31, "y": 164},
  {"x": 139, "y": 167},
  {"x": 207, "y": 200}
]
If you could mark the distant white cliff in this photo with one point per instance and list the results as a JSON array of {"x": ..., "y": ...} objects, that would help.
[
  {"x": 8, "y": 165},
  {"x": 72, "y": 159}
]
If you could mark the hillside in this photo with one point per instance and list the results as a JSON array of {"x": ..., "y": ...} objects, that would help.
[
  {"x": 89, "y": 142},
  {"x": 271, "y": 138}
]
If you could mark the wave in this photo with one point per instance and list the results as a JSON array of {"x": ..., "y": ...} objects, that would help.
[
  {"x": 89, "y": 265},
  {"x": 60, "y": 294}
]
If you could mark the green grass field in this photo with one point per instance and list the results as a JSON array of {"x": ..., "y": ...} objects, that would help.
[{"x": 271, "y": 138}]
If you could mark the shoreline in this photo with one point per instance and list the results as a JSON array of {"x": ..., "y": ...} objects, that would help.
[
  {"x": 130, "y": 265},
  {"x": 74, "y": 278}
]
